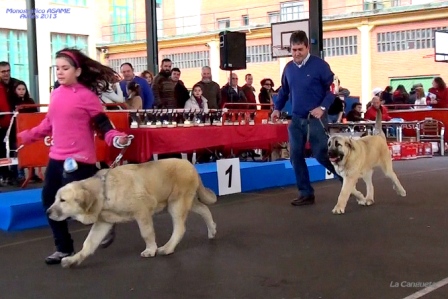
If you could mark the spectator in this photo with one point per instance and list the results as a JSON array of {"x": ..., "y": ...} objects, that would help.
[
  {"x": 438, "y": 94},
  {"x": 149, "y": 76},
  {"x": 180, "y": 91},
  {"x": 197, "y": 101},
  {"x": 376, "y": 105},
  {"x": 210, "y": 89},
  {"x": 128, "y": 73},
  {"x": 134, "y": 101},
  {"x": 232, "y": 93},
  {"x": 163, "y": 87},
  {"x": 249, "y": 91},
  {"x": 355, "y": 113},
  {"x": 266, "y": 91}
]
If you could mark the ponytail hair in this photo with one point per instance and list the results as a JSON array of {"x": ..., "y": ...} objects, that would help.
[
  {"x": 134, "y": 87},
  {"x": 94, "y": 75}
]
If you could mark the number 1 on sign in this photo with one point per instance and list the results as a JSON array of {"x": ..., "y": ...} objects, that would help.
[
  {"x": 229, "y": 176},
  {"x": 229, "y": 172}
]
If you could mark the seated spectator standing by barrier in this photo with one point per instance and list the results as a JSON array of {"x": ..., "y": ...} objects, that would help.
[
  {"x": 355, "y": 113},
  {"x": 22, "y": 97},
  {"x": 307, "y": 78},
  {"x": 376, "y": 105},
  {"x": 4, "y": 124},
  {"x": 438, "y": 94},
  {"x": 336, "y": 110}
]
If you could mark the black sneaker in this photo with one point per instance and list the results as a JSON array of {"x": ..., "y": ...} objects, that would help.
[{"x": 56, "y": 257}]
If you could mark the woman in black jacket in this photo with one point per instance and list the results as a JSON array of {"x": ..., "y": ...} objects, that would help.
[{"x": 266, "y": 91}]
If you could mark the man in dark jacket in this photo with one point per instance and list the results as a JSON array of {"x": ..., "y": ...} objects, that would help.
[
  {"x": 180, "y": 91},
  {"x": 163, "y": 87}
]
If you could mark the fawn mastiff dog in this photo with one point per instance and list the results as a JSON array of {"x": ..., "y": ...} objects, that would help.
[
  {"x": 135, "y": 192},
  {"x": 354, "y": 159}
]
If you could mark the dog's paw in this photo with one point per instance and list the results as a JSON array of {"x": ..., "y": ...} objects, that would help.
[
  {"x": 67, "y": 262},
  {"x": 400, "y": 191},
  {"x": 149, "y": 252},
  {"x": 164, "y": 251},
  {"x": 366, "y": 202},
  {"x": 212, "y": 232},
  {"x": 338, "y": 210}
]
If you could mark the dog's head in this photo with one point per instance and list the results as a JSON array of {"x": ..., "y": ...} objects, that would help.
[
  {"x": 338, "y": 148},
  {"x": 73, "y": 200}
]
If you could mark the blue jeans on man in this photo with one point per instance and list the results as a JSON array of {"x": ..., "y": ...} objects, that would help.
[{"x": 318, "y": 140}]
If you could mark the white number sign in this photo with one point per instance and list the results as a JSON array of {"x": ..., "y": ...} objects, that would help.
[
  {"x": 328, "y": 174},
  {"x": 229, "y": 176}
]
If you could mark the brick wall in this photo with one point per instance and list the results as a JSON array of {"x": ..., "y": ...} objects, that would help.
[
  {"x": 347, "y": 68},
  {"x": 410, "y": 63}
]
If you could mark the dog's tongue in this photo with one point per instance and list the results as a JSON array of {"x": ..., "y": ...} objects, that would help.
[{"x": 333, "y": 159}]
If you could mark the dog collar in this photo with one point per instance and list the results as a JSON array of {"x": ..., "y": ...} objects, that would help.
[{"x": 103, "y": 179}]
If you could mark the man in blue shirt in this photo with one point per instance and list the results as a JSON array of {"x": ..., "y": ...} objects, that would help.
[
  {"x": 127, "y": 70},
  {"x": 306, "y": 80}
]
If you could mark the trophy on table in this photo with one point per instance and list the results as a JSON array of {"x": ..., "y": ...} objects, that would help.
[
  {"x": 201, "y": 118},
  {"x": 217, "y": 118},
  {"x": 180, "y": 119},
  {"x": 134, "y": 120},
  {"x": 252, "y": 118},
  {"x": 171, "y": 122},
  {"x": 188, "y": 119},
  {"x": 227, "y": 118},
  {"x": 208, "y": 119},
  {"x": 151, "y": 119},
  {"x": 158, "y": 119}
]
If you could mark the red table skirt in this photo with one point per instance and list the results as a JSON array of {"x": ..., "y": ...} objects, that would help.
[{"x": 183, "y": 140}]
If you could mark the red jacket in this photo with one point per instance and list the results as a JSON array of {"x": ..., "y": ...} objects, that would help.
[
  {"x": 442, "y": 97},
  {"x": 371, "y": 114},
  {"x": 4, "y": 107}
]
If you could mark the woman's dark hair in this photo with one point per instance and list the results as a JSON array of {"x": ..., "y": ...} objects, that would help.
[
  {"x": 27, "y": 94},
  {"x": 388, "y": 89},
  {"x": 94, "y": 75},
  {"x": 263, "y": 82},
  {"x": 440, "y": 83},
  {"x": 401, "y": 88},
  {"x": 197, "y": 85},
  {"x": 135, "y": 87}
]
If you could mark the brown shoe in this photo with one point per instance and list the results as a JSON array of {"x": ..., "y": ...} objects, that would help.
[{"x": 303, "y": 201}]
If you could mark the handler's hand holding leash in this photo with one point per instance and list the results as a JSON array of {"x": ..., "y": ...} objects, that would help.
[{"x": 122, "y": 142}]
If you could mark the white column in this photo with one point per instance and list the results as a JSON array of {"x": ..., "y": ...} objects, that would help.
[
  {"x": 366, "y": 70},
  {"x": 214, "y": 59}
]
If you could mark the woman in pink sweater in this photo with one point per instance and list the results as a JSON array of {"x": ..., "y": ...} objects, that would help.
[{"x": 73, "y": 113}]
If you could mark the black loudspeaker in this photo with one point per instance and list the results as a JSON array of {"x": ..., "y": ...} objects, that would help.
[{"x": 232, "y": 48}]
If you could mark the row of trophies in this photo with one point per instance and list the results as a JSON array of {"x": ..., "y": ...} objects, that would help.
[{"x": 181, "y": 118}]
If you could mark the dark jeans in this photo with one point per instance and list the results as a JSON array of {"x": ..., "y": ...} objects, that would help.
[
  {"x": 318, "y": 139},
  {"x": 55, "y": 178}
]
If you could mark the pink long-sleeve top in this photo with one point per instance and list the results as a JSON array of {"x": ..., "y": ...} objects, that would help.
[{"x": 69, "y": 121}]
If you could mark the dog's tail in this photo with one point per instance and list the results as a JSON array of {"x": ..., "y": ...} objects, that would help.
[
  {"x": 378, "y": 125},
  {"x": 206, "y": 195}
]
